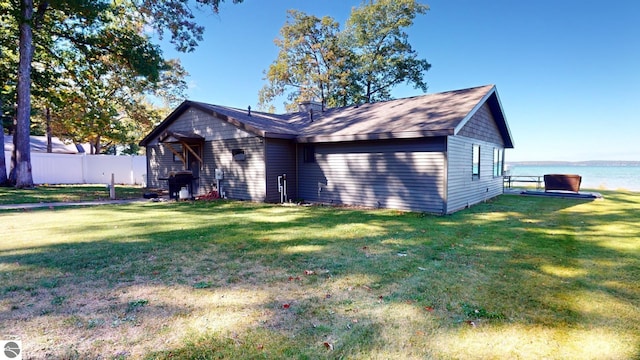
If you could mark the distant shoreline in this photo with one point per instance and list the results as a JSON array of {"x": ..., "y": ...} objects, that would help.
[{"x": 574, "y": 163}]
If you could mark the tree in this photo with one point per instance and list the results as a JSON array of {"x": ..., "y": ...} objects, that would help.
[
  {"x": 384, "y": 57},
  {"x": 103, "y": 89},
  {"x": 310, "y": 60},
  {"x": 3, "y": 165},
  {"x": 80, "y": 22},
  {"x": 3, "y": 80},
  {"x": 361, "y": 63}
]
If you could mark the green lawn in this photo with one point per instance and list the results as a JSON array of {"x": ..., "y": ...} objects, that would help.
[
  {"x": 514, "y": 278},
  {"x": 66, "y": 193}
]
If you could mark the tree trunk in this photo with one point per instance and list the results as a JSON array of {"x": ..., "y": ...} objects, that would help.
[
  {"x": 3, "y": 163},
  {"x": 49, "y": 145},
  {"x": 22, "y": 146},
  {"x": 98, "y": 145}
]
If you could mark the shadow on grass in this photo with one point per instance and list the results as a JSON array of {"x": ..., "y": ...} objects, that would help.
[
  {"x": 529, "y": 261},
  {"x": 65, "y": 193}
]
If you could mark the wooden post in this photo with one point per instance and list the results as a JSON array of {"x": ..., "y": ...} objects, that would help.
[
  {"x": 112, "y": 188},
  {"x": 49, "y": 145}
]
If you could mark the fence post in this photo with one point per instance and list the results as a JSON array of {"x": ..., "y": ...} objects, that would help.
[
  {"x": 131, "y": 168},
  {"x": 112, "y": 188},
  {"x": 84, "y": 167}
]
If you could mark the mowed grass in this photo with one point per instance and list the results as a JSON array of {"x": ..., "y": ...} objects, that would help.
[
  {"x": 513, "y": 278},
  {"x": 66, "y": 193}
]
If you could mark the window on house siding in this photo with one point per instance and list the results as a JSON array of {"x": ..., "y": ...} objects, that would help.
[
  {"x": 498, "y": 162},
  {"x": 475, "y": 166},
  {"x": 176, "y": 158},
  {"x": 309, "y": 154},
  {"x": 238, "y": 154}
]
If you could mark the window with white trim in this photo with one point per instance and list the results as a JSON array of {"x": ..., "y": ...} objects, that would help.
[
  {"x": 498, "y": 162},
  {"x": 475, "y": 163}
]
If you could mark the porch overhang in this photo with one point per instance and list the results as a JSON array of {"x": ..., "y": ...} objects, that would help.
[{"x": 188, "y": 142}]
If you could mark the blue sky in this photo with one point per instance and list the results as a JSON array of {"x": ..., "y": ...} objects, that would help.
[{"x": 567, "y": 71}]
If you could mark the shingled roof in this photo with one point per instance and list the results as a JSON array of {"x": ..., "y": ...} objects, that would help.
[{"x": 438, "y": 114}]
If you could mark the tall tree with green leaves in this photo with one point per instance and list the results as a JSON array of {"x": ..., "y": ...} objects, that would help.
[
  {"x": 360, "y": 63},
  {"x": 83, "y": 24},
  {"x": 310, "y": 62},
  {"x": 102, "y": 88},
  {"x": 384, "y": 56}
]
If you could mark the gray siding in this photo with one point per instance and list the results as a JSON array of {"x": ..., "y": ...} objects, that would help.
[
  {"x": 201, "y": 123},
  {"x": 280, "y": 159},
  {"x": 405, "y": 175},
  {"x": 462, "y": 189},
  {"x": 482, "y": 126},
  {"x": 243, "y": 180},
  {"x": 159, "y": 163}
]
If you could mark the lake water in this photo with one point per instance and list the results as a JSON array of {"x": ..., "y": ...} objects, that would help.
[{"x": 593, "y": 177}]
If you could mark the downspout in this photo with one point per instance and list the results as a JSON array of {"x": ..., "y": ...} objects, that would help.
[
  {"x": 445, "y": 180},
  {"x": 266, "y": 166},
  {"x": 296, "y": 167}
]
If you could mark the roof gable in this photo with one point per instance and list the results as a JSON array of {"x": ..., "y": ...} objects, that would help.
[
  {"x": 493, "y": 101},
  {"x": 439, "y": 114}
]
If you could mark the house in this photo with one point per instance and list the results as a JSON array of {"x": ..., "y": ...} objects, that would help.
[
  {"x": 39, "y": 144},
  {"x": 435, "y": 153}
]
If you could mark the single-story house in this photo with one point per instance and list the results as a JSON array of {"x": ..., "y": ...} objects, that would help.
[{"x": 436, "y": 153}]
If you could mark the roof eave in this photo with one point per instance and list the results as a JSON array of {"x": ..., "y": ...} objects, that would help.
[
  {"x": 374, "y": 136},
  {"x": 504, "y": 128},
  {"x": 493, "y": 100},
  {"x": 272, "y": 135},
  {"x": 158, "y": 130},
  {"x": 231, "y": 120}
]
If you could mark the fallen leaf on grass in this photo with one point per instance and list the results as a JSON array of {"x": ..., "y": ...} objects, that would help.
[
  {"x": 286, "y": 306},
  {"x": 428, "y": 308}
]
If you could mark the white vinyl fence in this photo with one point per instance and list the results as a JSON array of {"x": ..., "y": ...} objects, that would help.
[{"x": 51, "y": 168}]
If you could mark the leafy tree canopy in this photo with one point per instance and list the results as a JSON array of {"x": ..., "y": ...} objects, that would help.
[
  {"x": 360, "y": 63},
  {"x": 90, "y": 61}
]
